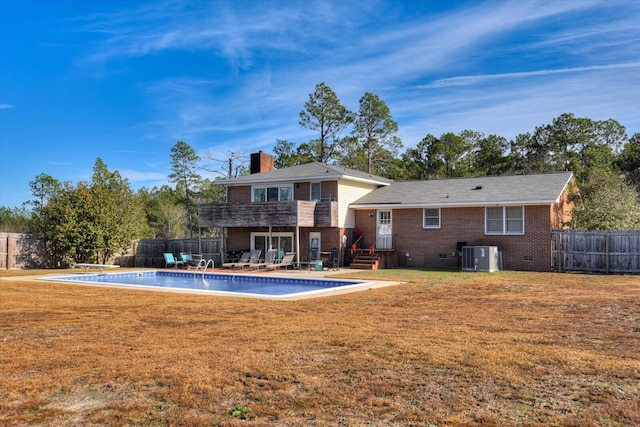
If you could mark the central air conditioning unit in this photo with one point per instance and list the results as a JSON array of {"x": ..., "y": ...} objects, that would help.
[{"x": 480, "y": 258}]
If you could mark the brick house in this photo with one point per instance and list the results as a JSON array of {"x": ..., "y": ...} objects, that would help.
[
  {"x": 408, "y": 223},
  {"x": 291, "y": 209},
  {"x": 430, "y": 220}
]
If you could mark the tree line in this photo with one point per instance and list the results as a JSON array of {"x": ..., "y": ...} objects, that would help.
[
  {"x": 91, "y": 221},
  {"x": 604, "y": 160}
]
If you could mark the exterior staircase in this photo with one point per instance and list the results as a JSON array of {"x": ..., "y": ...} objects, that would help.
[{"x": 363, "y": 260}]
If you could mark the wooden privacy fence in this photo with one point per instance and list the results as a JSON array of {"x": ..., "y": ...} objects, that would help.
[
  {"x": 19, "y": 250},
  {"x": 597, "y": 251},
  {"x": 149, "y": 252}
]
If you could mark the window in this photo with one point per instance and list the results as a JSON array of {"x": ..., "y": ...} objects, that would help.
[
  {"x": 504, "y": 220},
  {"x": 286, "y": 193},
  {"x": 431, "y": 218},
  {"x": 315, "y": 191},
  {"x": 272, "y": 194},
  {"x": 259, "y": 194}
]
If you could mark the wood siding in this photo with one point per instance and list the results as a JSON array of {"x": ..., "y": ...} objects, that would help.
[{"x": 349, "y": 192}]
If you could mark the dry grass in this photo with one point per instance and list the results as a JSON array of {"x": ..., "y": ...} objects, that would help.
[{"x": 456, "y": 349}]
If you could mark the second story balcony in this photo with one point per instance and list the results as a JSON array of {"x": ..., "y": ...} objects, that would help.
[{"x": 294, "y": 213}]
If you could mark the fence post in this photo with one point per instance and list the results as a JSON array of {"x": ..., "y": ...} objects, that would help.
[
  {"x": 560, "y": 238},
  {"x": 6, "y": 255},
  {"x": 606, "y": 252},
  {"x": 9, "y": 250}
]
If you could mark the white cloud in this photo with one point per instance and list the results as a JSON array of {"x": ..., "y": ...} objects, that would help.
[
  {"x": 275, "y": 56},
  {"x": 6, "y": 106},
  {"x": 472, "y": 80},
  {"x": 508, "y": 107}
]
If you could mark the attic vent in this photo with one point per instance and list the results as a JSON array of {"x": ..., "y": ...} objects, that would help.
[{"x": 478, "y": 187}]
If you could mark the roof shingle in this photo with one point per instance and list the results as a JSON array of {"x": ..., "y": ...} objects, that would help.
[
  {"x": 307, "y": 171},
  {"x": 482, "y": 191}
]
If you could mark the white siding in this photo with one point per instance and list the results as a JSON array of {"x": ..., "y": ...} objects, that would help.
[{"x": 348, "y": 192}]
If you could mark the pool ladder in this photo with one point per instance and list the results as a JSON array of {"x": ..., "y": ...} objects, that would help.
[{"x": 204, "y": 264}]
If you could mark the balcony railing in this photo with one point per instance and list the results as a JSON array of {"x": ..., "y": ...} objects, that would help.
[{"x": 293, "y": 213}]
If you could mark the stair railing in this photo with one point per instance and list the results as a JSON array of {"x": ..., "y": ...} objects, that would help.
[
  {"x": 354, "y": 247},
  {"x": 371, "y": 251}
]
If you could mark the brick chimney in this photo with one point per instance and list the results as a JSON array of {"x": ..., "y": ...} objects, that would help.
[{"x": 262, "y": 162}]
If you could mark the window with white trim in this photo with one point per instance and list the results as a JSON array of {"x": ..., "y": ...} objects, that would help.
[
  {"x": 504, "y": 220},
  {"x": 315, "y": 192},
  {"x": 272, "y": 194},
  {"x": 431, "y": 218}
]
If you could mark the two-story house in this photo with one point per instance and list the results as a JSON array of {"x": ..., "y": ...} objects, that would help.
[
  {"x": 412, "y": 223},
  {"x": 292, "y": 209}
]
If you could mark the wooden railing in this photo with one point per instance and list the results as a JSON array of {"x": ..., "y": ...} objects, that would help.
[{"x": 292, "y": 213}]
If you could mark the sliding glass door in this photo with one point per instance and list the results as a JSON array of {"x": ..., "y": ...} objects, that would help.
[{"x": 283, "y": 242}]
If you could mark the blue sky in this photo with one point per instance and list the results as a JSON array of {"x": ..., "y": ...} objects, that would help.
[{"x": 125, "y": 80}]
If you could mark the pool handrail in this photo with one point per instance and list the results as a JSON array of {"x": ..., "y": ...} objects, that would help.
[{"x": 204, "y": 264}]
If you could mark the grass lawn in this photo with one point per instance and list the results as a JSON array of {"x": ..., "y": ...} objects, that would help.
[{"x": 447, "y": 348}]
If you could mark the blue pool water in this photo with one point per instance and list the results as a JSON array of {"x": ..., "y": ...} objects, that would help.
[{"x": 252, "y": 285}]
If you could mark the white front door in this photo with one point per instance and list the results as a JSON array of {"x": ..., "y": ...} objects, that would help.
[{"x": 383, "y": 230}]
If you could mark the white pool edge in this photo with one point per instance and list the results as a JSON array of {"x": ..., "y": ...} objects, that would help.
[{"x": 338, "y": 290}]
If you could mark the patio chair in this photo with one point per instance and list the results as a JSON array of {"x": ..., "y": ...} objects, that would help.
[
  {"x": 254, "y": 258},
  {"x": 285, "y": 262},
  {"x": 244, "y": 259},
  {"x": 170, "y": 261},
  {"x": 333, "y": 259},
  {"x": 270, "y": 259},
  {"x": 188, "y": 260}
]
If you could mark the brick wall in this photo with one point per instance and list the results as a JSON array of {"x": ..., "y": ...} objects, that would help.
[
  {"x": 261, "y": 162},
  {"x": 239, "y": 194},
  {"x": 436, "y": 247},
  {"x": 561, "y": 212},
  {"x": 330, "y": 238},
  {"x": 301, "y": 191}
]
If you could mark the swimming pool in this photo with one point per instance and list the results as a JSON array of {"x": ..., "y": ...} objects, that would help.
[{"x": 227, "y": 284}]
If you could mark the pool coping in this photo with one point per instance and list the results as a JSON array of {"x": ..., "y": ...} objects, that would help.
[{"x": 319, "y": 293}]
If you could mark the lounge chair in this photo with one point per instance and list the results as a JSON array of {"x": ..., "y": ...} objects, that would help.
[
  {"x": 244, "y": 258},
  {"x": 170, "y": 261},
  {"x": 254, "y": 259},
  {"x": 270, "y": 259},
  {"x": 285, "y": 262}
]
